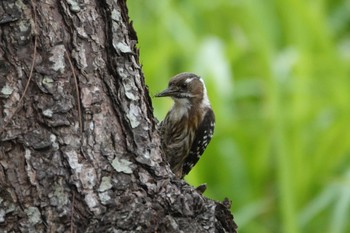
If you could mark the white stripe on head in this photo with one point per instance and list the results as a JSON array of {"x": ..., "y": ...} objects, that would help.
[
  {"x": 205, "y": 95},
  {"x": 189, "y": 80}
]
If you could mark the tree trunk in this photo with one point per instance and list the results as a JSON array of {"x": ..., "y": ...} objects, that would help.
[{"x": 79, "y": 150}]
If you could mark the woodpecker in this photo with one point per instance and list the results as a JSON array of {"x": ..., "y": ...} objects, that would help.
[{"x": 188, "y": 127}]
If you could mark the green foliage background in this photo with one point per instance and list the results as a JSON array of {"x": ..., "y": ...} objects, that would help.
[{"x": 278, "y": 76}]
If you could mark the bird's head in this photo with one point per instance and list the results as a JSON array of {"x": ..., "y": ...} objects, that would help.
[{"x": 186, "y": 89}]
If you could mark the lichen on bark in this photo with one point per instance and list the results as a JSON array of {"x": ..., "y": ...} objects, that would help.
[{"x": 98, "y": 168}]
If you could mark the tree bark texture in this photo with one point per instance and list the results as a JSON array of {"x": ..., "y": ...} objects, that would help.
[{"x": 79, "y": 149}]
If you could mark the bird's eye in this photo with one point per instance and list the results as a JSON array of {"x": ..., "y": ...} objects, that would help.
[{"x": 184, "y": 85}]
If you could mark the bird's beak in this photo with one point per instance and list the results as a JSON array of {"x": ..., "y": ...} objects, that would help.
[{"x": 166, "y": 92}]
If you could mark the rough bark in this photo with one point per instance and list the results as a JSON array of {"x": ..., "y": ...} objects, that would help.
[{"x": 79, "y": 150}]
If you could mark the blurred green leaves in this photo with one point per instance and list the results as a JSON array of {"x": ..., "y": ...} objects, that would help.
[{"x": 278, "y": 76}]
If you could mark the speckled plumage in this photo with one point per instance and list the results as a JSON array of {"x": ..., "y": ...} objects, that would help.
[{"x": 188, "y": 127}]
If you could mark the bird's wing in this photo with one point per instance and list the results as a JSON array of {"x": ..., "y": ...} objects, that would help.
[{"x": 201, "y": 140}]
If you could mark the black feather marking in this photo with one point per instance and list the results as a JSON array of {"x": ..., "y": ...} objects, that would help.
[{"x": 201, "y": 140}]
